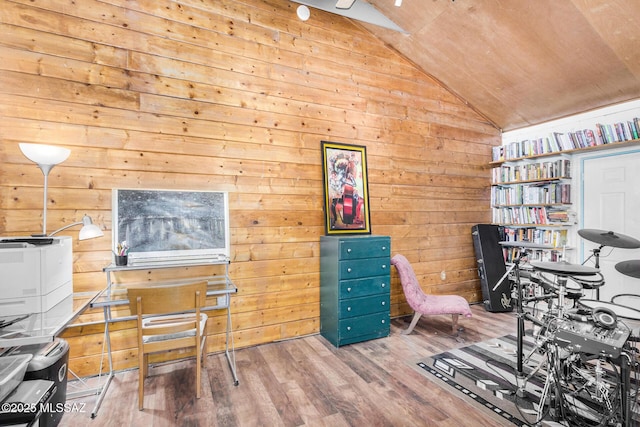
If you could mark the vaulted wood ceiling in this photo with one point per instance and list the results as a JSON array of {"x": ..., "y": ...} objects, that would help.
[{"x": 522, "y": 62}]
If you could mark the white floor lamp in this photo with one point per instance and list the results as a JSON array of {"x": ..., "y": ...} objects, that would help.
[{"x": 46, "y": 157}]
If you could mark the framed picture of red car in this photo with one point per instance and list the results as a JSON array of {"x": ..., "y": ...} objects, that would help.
[{"x": 346, "y": 189}]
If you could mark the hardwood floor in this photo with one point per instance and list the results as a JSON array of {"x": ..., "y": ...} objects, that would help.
[{"x": 306, "y": 382}]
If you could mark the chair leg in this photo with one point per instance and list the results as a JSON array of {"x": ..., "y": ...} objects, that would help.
[
  {"x": 454, "y": 325},
  {"x": 145, "y": 365},
  {"x": 141, "y": 376},
  {"x": 414, "y": 321},
  {"x": 198, "y": 373},
  {"x": 204, "y": 355}
]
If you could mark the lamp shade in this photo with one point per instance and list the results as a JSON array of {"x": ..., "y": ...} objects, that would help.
[
  {"x": 44, "y": 154},
  {"x": 89, "y": 230},
  {"x": 46, "y": 157}
]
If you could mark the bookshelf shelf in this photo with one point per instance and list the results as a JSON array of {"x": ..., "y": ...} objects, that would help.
[
  {"x": 531, "y": 245},
  {"x": 532, "y": 225},
  {"x": 607, "y": 146},
  {"x": 531, "y": 181},
  {"x": 533, "y": 205}
]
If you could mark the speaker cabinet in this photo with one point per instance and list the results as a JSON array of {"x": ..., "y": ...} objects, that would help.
[{"x": 491, "y": 268}]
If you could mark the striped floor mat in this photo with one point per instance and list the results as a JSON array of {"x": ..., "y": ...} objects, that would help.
[{"x": 485, "y": 375}]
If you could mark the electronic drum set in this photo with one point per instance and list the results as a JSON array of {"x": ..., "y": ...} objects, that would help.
[{"x": 592, "y": 376}]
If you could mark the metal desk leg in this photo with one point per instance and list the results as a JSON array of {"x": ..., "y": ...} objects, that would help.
[
  {"x": 231, "y": 358},
  {"x": 107, "y": 339}
]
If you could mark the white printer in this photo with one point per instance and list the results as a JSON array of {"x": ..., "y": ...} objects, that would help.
[{"x": 35, "y": 273}]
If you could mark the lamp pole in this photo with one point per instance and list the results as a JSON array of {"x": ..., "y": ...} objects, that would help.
[{"x": 45, "y": 171}]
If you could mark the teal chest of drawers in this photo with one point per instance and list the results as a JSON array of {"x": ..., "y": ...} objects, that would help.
[{"x": 354, "y": 288}]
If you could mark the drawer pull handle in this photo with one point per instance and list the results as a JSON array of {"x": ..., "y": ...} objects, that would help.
[
  {"x": 348, "y": 289},
  {"x": 348, "y": 328},
  {"x": 348, "y": 308},
  {"x": 384, "y": 248},
  {"x": 384, "y": 266},
  {"x": 383, "y": 302},
  {"x": 349, "y": 250},
  {"x": 382, "y": 320},
  {"x": 349, "y": 270},
  {"x": 383, "y": 285}
]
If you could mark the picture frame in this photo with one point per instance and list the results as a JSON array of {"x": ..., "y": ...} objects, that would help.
[
  {"x": 346, "y": 189},
  {"x": 171, "y": 226}
]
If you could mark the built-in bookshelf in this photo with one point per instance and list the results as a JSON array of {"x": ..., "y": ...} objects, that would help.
[
  {"x": 531, "y": 200},
  {"x": 532, "y": 203},
  {"x": 531, "y": 194},
  {"x": 531, "y": 191}
]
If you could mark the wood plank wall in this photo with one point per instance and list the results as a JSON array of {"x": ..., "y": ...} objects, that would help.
[{"x": 234, "y": 96}]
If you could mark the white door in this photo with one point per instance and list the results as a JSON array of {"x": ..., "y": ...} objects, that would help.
[{"x": 611, "y": 202}]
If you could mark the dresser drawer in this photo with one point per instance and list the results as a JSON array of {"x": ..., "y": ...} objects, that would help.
[
  {"x": 354, "y": 269},
  {"x": 365, "y": 248},
  {"x": 363, "y": 287},
  {"x": 360, "y": 306},
  {"x": 352, "y": 327}
]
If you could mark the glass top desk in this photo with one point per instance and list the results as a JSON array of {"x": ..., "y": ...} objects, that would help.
[
  {"x": 114, "y": 299},
  {"x": 43, "y": 327},
  {"x": 218, "y": 290}
]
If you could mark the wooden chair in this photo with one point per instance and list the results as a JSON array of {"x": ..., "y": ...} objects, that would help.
[
  {"x": 422, "y": 303},
  {"x": 168, "y": 318}
]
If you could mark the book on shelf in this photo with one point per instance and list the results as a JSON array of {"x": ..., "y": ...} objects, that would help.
[
  {"x": 601, "y": 137},
  {"x": 634, "y": 129},
  {"x": 619, "y": 131},
  {"x": 511, "y": 254},
  {"x": 547, "y": 237},
  {"x": 557, "y": 169},
  {"x": 530, "y": 216},
  {"x": 531, "y": 194},
  {"x": 558, "y": 215},
  {"x": 590, "y": 137},
  {"x": 557, "y": 142}
]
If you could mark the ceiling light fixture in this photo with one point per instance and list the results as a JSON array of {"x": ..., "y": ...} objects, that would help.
[
  {"x": 344, "y": 4},
  {"x": 355, "y": 9},
  {"x": 303, "y": 12},
  {"x": 398, "y": 3}
]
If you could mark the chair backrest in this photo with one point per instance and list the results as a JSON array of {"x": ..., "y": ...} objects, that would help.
[
  {"x": 412, "y": 290},
  {"x": 168, "y": 299}
]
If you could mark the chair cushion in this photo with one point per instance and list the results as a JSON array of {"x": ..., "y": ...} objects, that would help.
[
  {"x": 444, "y": 304},
  {"x": 421, "y": 302},
  {"x": 189, "y": 333}
]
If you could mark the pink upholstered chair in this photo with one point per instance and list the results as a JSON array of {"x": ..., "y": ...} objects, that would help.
[{"x": 422, "y": 303}]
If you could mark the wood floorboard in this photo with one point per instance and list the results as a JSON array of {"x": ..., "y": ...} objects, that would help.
[{"x": 305, "y": 382}]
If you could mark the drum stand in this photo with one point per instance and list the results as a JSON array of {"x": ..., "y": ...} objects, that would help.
[
  {"x": 522, "y": 316},
  {"x": 596, "y": 255}
]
